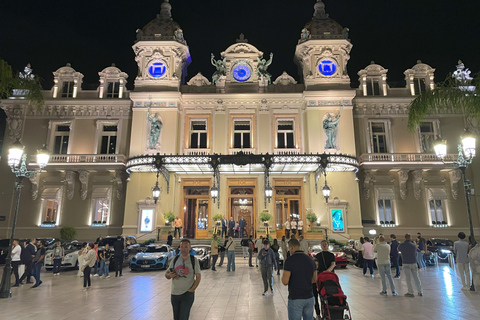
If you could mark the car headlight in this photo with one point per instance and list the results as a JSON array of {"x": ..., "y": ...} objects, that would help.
[{"x": 445, "y": 251}]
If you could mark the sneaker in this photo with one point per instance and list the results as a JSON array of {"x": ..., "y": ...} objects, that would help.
[
  {"x": 58, "y": 274},
  {"x": 95, "y": 275},
  {"x": 373, "y": 276},
  {"x": 394, "y": 293},
  {"x": 383, "y": 293},
  {"x": 411, "y": 295},
  {"x": 396, "y": 277},
  {"x": 420, "y": 294},
  {"x": 273, "y": 291},
  {"x": 107, "y": 277},
  {"x": 265, "y": 293},
  {"x": 365, "y": 275}
]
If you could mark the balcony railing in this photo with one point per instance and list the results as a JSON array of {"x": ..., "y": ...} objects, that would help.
[
  {"x": 84, "y": 159},
  {"x": 404, "y": 157}
]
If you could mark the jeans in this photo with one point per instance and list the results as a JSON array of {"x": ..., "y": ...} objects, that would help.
[
  {"x": 181, "y": 305},
  {"x": 411, "y": 271},
  {"x": 245, "y": 252},
  {"x": 86, "y": 277},
  {"x": 385, "y": 270},
  {"x": 36, "y": 273},
  {"x": 368, "y": 263},
  {"x": 101, "y": 267},
  {"x": 118, "y": 265},
  {"x": 214, "y": 261},
  {"x": 57, "y": 263},
  {"x": 464, "y": 273},
  {"x": 222, "y": 256},
  {"x": 231, "y": 260},
  {"x": 267, "y": 278},
  {"x": 299, "y": 308},
  {"x": 250, "y": 255},
  {"x": 396, "y": 265},
  {"x": 315, "y": 295},
  {"x": 299, "y": 232},
  {"x": 15, "y": 265},
  {"x": 421, "y": 260},
  {"x": 28, "y": 272},
  {"x": 224, "y": 232},
  {"x": 242, "y": 231},
  {"x": 95, "y": 267}
]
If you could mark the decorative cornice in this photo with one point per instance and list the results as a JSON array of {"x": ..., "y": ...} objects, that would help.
[
  {"x": 417, "y": 180},
  {"x": 83, "y": 177},
  {"x": 455, "y": 176},
  {"x": 70, "y": 181},
  {"x": 380, "y": 109},
  {"x": 74, "y": 109},
  {"x": 402, "y": 180}
]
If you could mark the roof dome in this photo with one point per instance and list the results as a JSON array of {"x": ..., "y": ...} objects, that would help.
[
  {"x": 162, "y": 27},
  {"x": 323, "y": 27}
]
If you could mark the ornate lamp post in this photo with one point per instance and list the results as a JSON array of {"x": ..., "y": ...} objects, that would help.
[
  {"x": 156, "y": 191},
  {"x": 17, "y": 163}
]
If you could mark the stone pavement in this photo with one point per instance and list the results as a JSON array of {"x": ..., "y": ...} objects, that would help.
[{"x": 231, "y": 295}]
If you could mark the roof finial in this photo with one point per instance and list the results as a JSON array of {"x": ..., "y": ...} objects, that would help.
[
  {"x": 165, "y": 12},
  {"x": 320, "y": 10},
  {"x": 242, "y": 39}
]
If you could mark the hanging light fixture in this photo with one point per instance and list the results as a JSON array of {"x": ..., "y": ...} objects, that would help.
[
  {"x": 156, "y": 191},
  {"x": 440, "y": 147},
  {"x": 326, "y": 189},
  {"x": 214, "y": 192},
  {"x": 268, "y": 193}
]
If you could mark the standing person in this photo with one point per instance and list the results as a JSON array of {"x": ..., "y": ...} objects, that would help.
[
  {"x": 177, "y": 223},
  {"x": 367, "y": 253},
  {"x": 460, "y": 249},
  {"x": 97, "y": 260},
  {"x": 251, "y": 247},
  {"x": 383, "y": 264},
  {"x": 275, "y": 248},
  {"x": 38, "y": 262},
  {"x": 258, "y": 245},
  {"x": 57, "y": 256},
  {"x": 421, "y": 248},
  {"x": 221, "y": 249},
  {"x": 300, "y": 227},
  {"x": 16, "y": 255},
  {"x": 99, "y": 239},
  {"x": 303, "y": 244},
  {"x": 283, "y": 246},
  {"x": 224, "y": 227},
  {"x": 287, "y": 231},
  {"x": 326, "y": 259},
  {"x": 267, "y": 260},
  {"x": 169, "y": 238},
  {"x": 394, "y": 257},
  {"x": 300, "y": 275},
  {"x": 409, "y": 264},
  {"x": 359, "y": 246},
  {"x": 184, "y": 281},
  {"x": 243, "y": 224},
  {"x": 214, "y": 252},
  {"x": 231, "y": 226},
  {"x": 118, "y": 248},
  {"x": 230, "y": 248},
  {"x": 28, "y": 256},
  {"x": 244, "y": 244},
  {"x": 293, "y": 227},
  {"x": 107, "y": 256},
  {"x": 81, "y": 255},
  {"x": 89, "y": 262},
  {"x": 474, "y": 259}
]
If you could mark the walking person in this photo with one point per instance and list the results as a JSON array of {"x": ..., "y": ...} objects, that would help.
[
  {"x": 214, "y": 251},
  {"x": 242, "y": 224},
  {"x": 267, "y": 260},
  {"x": 394, "y": 256},
  {"x": 177, "y": 223},
  {"x": 224, "y": 227},
  {"x": 184, "y": 281},
  {"x": 460, "y": 248},
  {"x": 275, "y": 248},
  {"x": 251, "y": 247},
  {"x": 300, "y": 275},
  {"x": 284, "y": 247},
  {"x": 408, "y": 250},
  {"x": 38, "y": 262},
  {"x": 258, "y": 246},
  {"x": 27, "y": 256},
  {"x": 244, "y": 244},
  {"x": 230, "y": 248},
  {"x": 118, "y": 249},
  {"x": 222, "y": 250},
  {"x": 367, "y": 253},
  {"x": 421, "y": 249},
  {"x": 89, "y": 262},
  {"x": 169, "y": 238},
  {"x": 383, "y": 264},
  {"x": 303, "y": 244},
  {"x": 81, "y": 255},
  {"x": 58, "y": 255},
  {"x": 326, "y": 259},
  {"x": 16, "y": 255},
  {"x": 358, "y": 247},
  {"x": 97, "y": 261},
  {"x": 287, "y": 231}
]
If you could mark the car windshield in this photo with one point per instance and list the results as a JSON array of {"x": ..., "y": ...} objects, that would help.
[
  {"x": 443, "y": 243},
  {"x": 157, "y": 249},
  {"x": 109, "y": 241}
]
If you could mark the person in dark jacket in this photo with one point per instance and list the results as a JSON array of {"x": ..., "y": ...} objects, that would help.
[
  {"x": 394, "y": 256},
  {"x": 169, "y": 238},
  {"x": 27, "y": 257},
  {"x": 231, "y": 227},
  {"x": 118, "y": 247}
]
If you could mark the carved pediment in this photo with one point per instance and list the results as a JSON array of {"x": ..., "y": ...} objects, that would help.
[
  {"x": 199, "y": 81},
  {"x": 284, "y": 79},
  {"x": 242, "y": 48}
]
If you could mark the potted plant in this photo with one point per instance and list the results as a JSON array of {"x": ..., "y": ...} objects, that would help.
[
  {"x": 312, "y": 218},
  {"x": 265, "y": 217},
  {"x": 169, "y": 217},
  {"x": 217, "y": 219}
]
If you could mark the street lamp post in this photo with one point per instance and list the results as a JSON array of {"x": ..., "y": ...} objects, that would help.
[{"x": 17, "y": 163}]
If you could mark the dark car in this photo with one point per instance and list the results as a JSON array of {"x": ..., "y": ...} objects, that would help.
[
  {"x": 202, "y": 253},
  {"x": 442, "y": 247},
  {"x": 4, "y": 243},
  {"x": 131, "y": 246}
]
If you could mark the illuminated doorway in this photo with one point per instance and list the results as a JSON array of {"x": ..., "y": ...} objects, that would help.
[{"x": 196, "y": 211}]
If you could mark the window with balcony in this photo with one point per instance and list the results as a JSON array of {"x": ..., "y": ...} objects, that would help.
[
  {"x": 242, "y": 134},
  {"x": 427, "y": 137},
  {"x": 378, "y": 137},
  {"x": 101, "y": 203},
  {"x": 61, "y": 138},
  {"x": 113, "y": 90},
  {"x": 108, "y": 140},
  {"x": 67, "y": 90},
  {"x": 285, "y": 134},
  {"x": 198, "y": 134}
]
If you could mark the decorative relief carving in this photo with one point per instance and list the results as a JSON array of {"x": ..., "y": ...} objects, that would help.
[
  {"x": 83, "y": 177},
  {"x": 120, "y": 182},
  {"x": 70, "y": 181},
  {"x": 15, "y": 115},
  {"x": 367, "y": 177},
  {"x": 402, "y": 181},
  {"x": 417, "y": 180},
  {"x": 35, "y": 180},
  {"x": 264, "y": 105},
  {"x": 455, "y": 176}
]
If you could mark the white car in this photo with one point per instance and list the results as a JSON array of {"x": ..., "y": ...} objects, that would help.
[
  {"x": 155, "y": 257},
  {"x": 71, "y": 256}
]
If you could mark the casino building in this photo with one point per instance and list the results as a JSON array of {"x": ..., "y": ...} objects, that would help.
[{"x": 243, "y": 143}]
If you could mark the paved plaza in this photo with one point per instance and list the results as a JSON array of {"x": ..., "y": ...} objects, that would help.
[{"x": 231, "y": 295}]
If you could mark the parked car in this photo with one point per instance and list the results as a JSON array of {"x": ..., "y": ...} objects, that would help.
[
  {"x": 202, "y": 253},
  {"x": 155, "y": 257},
  {"x": 71, "y": 256},
  {"x": 443, "y": 247},
  {"x": 131, "y": 246},
  {"x": 4, "y": 243},
  {"x": 340, "y": 257}
]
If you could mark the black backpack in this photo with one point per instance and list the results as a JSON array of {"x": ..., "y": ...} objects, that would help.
[
  {"x": 244, "y": 243},
  {"x": 192, "y": 260}
]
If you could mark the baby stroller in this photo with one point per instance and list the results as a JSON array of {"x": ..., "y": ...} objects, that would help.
[{"x": 333, "y": 302}]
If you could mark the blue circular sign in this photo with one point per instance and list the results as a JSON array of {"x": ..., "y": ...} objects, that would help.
[
  {"x": 241, "y": 72},
  {"x": 327, "y": 67},
  {"x": 157, "y": 69}
]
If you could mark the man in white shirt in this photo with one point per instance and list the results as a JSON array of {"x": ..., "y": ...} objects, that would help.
[
  {"x": 16, "y": 261},
  {"x": 303, "y": 245},
  {"x": 287, "y": 230},
  {"x": 460, "y": 248},
  {"x": 300, "y": 227}
]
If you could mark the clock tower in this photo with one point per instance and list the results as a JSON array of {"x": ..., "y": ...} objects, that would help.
[{"x": 322, "y": 52}]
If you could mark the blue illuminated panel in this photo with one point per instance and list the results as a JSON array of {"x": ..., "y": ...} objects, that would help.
[
  {"x": 327, "y": 67},
  {"x": 157, "y": 69},
  {"x": 337, "y": 220},
  {"x": 241, "y": 73}
]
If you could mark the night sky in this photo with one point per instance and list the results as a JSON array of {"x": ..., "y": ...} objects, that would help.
[{"x": 92, "y": 35}]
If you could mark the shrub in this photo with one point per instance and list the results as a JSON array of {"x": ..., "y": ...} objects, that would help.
[
  {"x": 169, "y": 216},
  {"x": 217, "y": 217},
  {"x": 312, "y": 217},
  {"x": 265, "y": 216},
  {"x": 68, "y": 233}
]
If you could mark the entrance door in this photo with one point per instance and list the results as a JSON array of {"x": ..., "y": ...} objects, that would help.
[
  {"x": 242, "y": 208},
  {"x": 189, "y": 218},
  {"x": 202, "y": 218}
]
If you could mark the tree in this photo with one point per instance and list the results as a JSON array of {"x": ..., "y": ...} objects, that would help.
[
  {"x": 458, "y": 93},
  {"x": 24, "y": 84},
  {"x": 6, "y": 80}
]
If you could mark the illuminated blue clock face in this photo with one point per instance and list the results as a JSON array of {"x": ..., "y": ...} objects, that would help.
[
  {"x": 241, "y": 72},
  {"x": 157, "y": 69},
  {"x": 327, "y": 67}
]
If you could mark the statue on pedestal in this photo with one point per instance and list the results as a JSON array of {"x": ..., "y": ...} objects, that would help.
[
  {"x": 221, "y": 68},
  {"x": 155, "y": 128},
  {"x": 330, "y": 126},
  {"x": 263, "y": 66}
]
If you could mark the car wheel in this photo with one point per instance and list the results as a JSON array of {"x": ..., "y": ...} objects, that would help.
[{"x": 77, "y": 265}]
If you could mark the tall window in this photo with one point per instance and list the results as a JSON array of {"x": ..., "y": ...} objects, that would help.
[
  {"x": 379, "y": 137},
  {"x": 373, "y": 87},
  {"x": 241, "y": 134},
  {"x": 198, "y": 134},
  {"x": 62, "y": 134},
  {"x": 113, "y": 90},
  {"x": 108, "y": 143},
  {"x": 101, "y": 204},
  {"x": 285, "y": 134},
  {"x": 50, "y": 210},
  {"x": 437, "y": 211},
  {"x": 385, "y": 211},
  {"x": 67, "y": 90},
  {"x": 427, "y": 136},
  {"x": 419, "y": 85}
]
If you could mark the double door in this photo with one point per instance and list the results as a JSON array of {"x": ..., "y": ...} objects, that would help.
[
  {"x": 196, "y": 218},
  {"x": 287, "y": 209}
]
